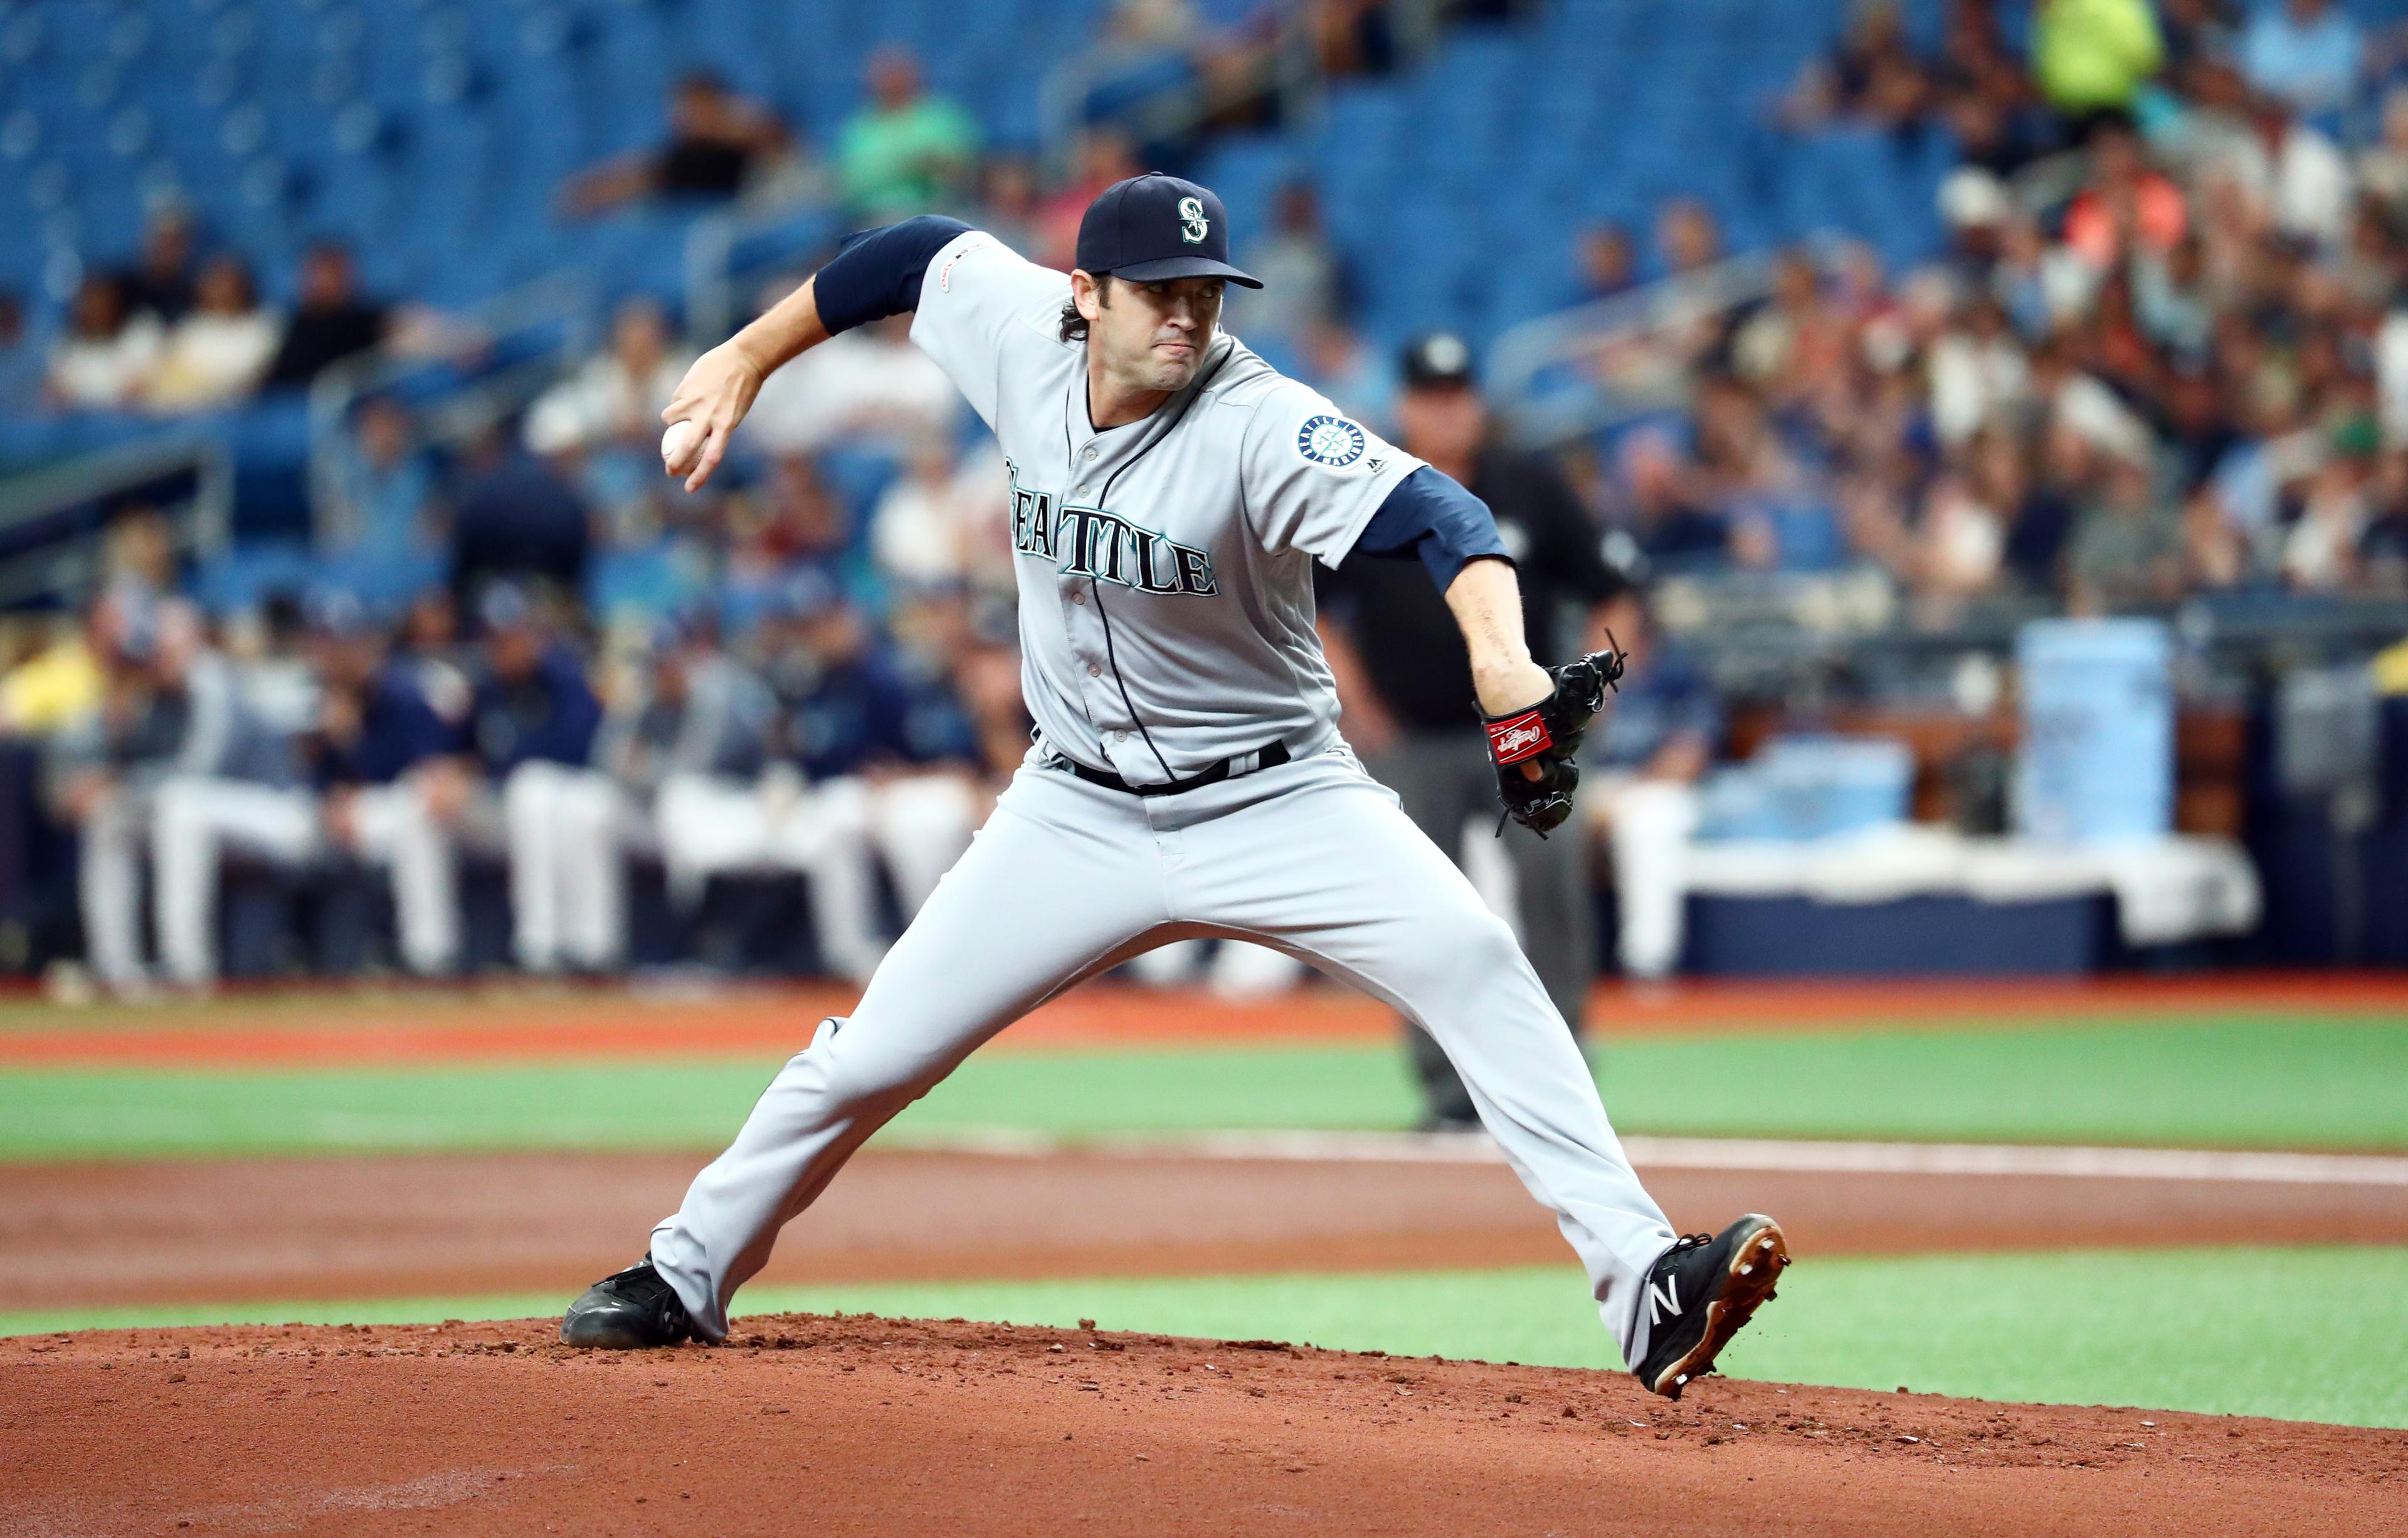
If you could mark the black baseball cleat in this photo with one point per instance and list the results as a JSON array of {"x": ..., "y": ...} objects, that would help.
[
  {"x": 1698, "y": 1294},
  {"x": 633, "y": 1311}
]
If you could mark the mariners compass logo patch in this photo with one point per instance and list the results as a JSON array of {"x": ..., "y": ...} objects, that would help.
[{"x": 1330, "y": 440}]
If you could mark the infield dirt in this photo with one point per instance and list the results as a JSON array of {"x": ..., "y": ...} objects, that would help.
[
  {"x": 273, "y": 1230},
  {"x": 867, "y": 1425}
]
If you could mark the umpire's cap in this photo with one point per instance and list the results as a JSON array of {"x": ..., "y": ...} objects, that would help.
[
  {"x": 1156, "y": 226},
  {"x": 1436, "y": 360}
]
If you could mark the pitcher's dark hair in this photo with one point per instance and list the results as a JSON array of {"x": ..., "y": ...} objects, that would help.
[{"x": 1074, "y": 326}]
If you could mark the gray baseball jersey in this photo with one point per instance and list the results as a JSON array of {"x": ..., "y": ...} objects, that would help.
[
  {"x": 1165, "y": 573},
  {"x": 1164, "y": 567}
]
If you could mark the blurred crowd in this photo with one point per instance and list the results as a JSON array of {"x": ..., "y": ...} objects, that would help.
[
  {"x": 2161, "y": 355},
  {"x": 180, "y": 332},
  {"x": 2170, "y": 359},
  {"x": 524, "y": 648},
  {"x": 327, "y": 740},
  {"x": 185, "y": 328}
]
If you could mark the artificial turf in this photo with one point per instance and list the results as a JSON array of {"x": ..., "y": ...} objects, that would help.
[
  {"x": 2305, "y": 1334},
  {"x": 2248, "y": 1080}
]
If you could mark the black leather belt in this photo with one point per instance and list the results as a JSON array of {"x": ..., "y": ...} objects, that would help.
[{"x": 1227, "y": 768}]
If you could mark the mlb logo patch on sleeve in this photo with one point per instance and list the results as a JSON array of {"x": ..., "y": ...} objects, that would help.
[{"x": 945, "y": 273}]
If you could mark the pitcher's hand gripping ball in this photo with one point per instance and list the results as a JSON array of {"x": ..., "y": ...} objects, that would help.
[
  {"x": 680, "y": 445},
  {"x": 1544, "y": 736}
]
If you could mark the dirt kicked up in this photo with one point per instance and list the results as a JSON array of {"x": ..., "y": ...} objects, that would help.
[{"x": 868, "y": 1425}]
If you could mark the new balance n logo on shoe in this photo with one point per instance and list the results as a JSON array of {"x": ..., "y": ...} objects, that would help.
[{"x": 1663, "y": 1298}]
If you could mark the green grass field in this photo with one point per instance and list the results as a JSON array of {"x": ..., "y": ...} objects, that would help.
[
  {"x": 2318, "y": 1334},
  {"x": 2249, "y": 1082},
  {"x": 2309, "y": 1334}
]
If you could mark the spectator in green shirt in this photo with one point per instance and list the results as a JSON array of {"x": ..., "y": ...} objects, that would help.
[
  {"x": 907, "y": 150},
  {"x": 2091, "y": 55}
]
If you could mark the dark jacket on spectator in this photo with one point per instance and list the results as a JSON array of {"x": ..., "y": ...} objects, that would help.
[
  {"x": 853, "y": 714},
  {"x": 320, "y": 335},
  {"x": 203, "y": 725},
  {"x": 399, "y": 730},
  {"x": 517, "y": 520},
  {"x": 551, "y": 715}
]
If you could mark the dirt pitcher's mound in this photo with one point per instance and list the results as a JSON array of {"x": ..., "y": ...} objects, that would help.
[{"x": 865, "y": 1425}]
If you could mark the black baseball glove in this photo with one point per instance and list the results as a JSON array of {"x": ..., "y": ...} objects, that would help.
[{"x": 1545, "y": 736}]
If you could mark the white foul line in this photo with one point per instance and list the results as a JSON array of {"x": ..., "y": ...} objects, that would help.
[
  {"x": 1800, "y": 1156},
  {"x": 1981, "y": 1158}
]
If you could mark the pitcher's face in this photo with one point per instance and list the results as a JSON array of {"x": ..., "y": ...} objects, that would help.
[{"x": 1151, "y": 336}]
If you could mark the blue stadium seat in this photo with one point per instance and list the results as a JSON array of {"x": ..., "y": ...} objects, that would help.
[
  {"x": 246, "y": 575},
  {"x": 434, "y": 133}
]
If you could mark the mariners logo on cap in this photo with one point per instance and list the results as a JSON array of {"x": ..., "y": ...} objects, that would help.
[
  {"x": 1330, "y": 440},
  {"x": 1193, "y": 225}
]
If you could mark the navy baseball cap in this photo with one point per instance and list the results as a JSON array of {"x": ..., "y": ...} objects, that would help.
[
  {"x": 1156, "y": 226},
  {"x": 506, "y": 606},
  {"x": 336, "y": 614},
  {"x": 688, "y": 625},
  {"x": 807, "y": 593}
]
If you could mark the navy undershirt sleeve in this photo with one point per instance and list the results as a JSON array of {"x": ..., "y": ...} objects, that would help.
[
  {"x": 878, "y": 272},
  {"x": 1429, "y": 514}
]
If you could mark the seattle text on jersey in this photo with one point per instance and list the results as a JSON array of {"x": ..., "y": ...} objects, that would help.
[{"x": 1091, "y": 542}]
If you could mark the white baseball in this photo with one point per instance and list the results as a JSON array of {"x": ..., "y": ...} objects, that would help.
[{"x": 680, "y": 444}]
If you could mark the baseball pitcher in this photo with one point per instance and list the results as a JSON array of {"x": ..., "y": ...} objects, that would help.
[{"x": 1170, "y": 492}]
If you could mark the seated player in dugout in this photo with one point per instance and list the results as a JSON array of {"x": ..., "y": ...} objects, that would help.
[{"x": 1170, "y": 493}]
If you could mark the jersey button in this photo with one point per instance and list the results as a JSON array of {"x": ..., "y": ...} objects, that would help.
[
  {"x": 1094, "y": 671},
  {"x": 1090, "y": 454},
  {"x": 1077, "y": 597}
]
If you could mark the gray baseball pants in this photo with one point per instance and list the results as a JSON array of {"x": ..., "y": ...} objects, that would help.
[
  {"x": 1068, "y": 879},
  {"x": 1446, "y": 783}
]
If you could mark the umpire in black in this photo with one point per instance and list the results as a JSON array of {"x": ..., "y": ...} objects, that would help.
[{"x": 1406, "y": 685}]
